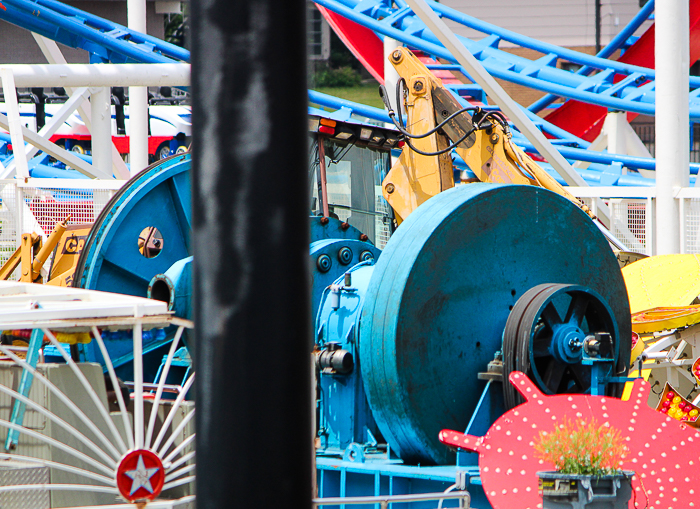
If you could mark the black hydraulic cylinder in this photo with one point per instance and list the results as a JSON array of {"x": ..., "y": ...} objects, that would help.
[{"x": 252, "y": 346}]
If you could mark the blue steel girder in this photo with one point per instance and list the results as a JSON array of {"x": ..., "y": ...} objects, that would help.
[
  {"x": 78, "y": 29},
  {"x": 634, "y": 93}
]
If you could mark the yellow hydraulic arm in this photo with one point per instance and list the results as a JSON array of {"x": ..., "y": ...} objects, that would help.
[
  {"x": 32, "y": 253},
  {"x": 435, "y": 124}
]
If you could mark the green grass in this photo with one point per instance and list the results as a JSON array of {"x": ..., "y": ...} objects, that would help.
[{"x": 364, "y": 94}]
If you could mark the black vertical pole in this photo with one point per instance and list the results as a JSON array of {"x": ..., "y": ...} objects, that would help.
[
  {"x": 598, "y": 26},
  {"x": 250, "y": 243}
]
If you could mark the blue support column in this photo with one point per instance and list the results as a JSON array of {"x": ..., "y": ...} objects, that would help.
[{"x": 25, "y": 385}]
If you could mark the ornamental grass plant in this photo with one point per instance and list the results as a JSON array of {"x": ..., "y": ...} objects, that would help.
[{"x": 581, "y": 447}]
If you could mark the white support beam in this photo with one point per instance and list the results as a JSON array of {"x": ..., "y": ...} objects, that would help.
[
  {"x": 100, "y": 75},
  {"x": 50, "y": 127},
  {"x": 500, "y": 97},
  {"x": 14, "y": 122},
  {"x": 618, "y": 137},
  {"x": 53, "y": 54},
  {"x": 101, "y": 112},
  {"x": 138, "y": 129},
  {"x": 55, "y": 151},
  {"x": 138, "y": 97},
  {"x": 672, "y": 56}
]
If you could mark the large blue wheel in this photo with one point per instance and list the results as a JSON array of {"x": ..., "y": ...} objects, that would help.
[
  {"x": 443, "y": 289},
  {"x": 141, "y": 232},
  {"x": 545, "y": 334}
]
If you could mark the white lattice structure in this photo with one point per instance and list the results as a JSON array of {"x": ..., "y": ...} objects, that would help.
[{"x": 35, "y": 205}]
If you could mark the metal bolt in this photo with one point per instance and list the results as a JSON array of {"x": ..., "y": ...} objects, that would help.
[
  {"x": 363, "y": 237},
  {"x": 344, "y": 226},
  {"x": 366, "y": 256},
  {"x": 324, "y": 221},
  {"x": 397, "y": 56},
  {"x": 345, "y": 255},
  {"x": 324, "y": 263},
  {"x": 418, "y": 86},
  {"x": 390, "y": 188},
  {"x": 494, "y": 138}
]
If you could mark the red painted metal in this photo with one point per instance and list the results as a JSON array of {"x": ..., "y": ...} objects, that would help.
[
  {"x": 140, "y": 476},
  {"x": 664, "y": 453},
  {"x": 363, "y": 43},
  {"x": 120, "y": 142},
  {"x": 586, "y": 120}
]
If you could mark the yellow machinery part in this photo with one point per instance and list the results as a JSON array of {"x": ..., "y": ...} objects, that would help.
[
  {"x": 415, "y": 178},
  {"x": 660, "y": 319},
  {"x": 67, "y": 253},
  {"x": 489, "y": 152},
  {"x": 72, "y": 338},
  {"x": 662, "y": 281}
]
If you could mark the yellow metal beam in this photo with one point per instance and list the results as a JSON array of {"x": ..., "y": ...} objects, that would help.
[{"x": 663, "y": 281}]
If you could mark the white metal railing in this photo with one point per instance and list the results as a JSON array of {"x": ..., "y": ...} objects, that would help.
[
  {"x": 36, "y": 205},
  {"x": 631, "y": 211},
  {"x": 384, "y": 500}
]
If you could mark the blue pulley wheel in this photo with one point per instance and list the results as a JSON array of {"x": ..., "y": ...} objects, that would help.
[
  {"x": 141, "y": 232},
  {"x": 544, "y": 338},
  {"x": 442, "y": 291}
]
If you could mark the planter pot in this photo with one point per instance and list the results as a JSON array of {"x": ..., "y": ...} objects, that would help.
[{"x": 571, "y": 491}]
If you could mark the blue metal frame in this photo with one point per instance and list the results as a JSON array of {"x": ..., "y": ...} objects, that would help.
[
  {"x": 619, "y": 41},
  {"x": 634, "y": 93},
  {"x": 78, "y": 29},
  {"x": 25, "y": 385}
]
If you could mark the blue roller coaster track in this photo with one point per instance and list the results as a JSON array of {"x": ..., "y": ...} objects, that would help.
[
  {"x": 109, "y": 41},
  {"x": 633, "y": 92}
]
